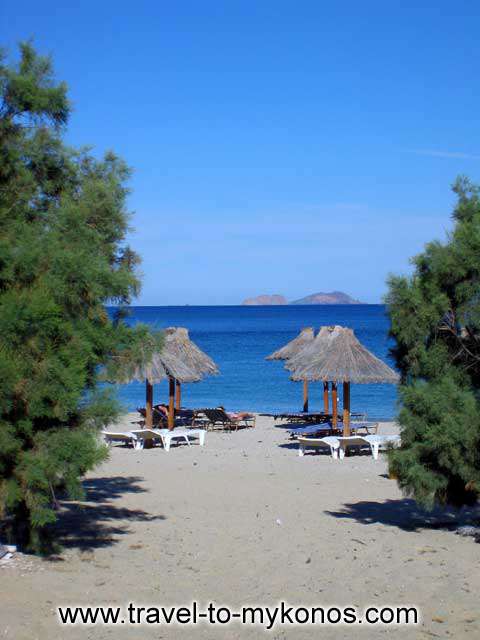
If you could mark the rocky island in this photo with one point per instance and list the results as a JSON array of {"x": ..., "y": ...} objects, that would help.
[
  {"x": 334, "y": 297},
  {"x": 265, "y": 299}
]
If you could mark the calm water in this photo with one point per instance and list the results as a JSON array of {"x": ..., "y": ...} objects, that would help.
[{"x": 239, "y": 338}]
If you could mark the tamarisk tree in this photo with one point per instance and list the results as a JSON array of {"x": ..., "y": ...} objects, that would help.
[
  {"x": 63, "y": 257},
  {"x": 435, "y": 322}
]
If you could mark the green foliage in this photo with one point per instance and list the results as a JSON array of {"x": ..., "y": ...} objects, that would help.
[
  {"x": 132, "y": 355},
  {"x": 63, "y": 257},
  {"x": 435, "y": 321}
]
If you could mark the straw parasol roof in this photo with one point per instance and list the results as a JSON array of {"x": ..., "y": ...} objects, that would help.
[
  {"x": 313, "y": 349},
  {"x": 179, "y": 358},
  {"x": 292, "y": 348},
  {"x": 163, "y": 365},
  {"x": 179, "y": 347},
  {"x": 342, "y": 359}
]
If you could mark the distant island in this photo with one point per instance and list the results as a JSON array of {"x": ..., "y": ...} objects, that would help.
[
  {"x": 263, "y": 300},
  {"x": 334, "y": 297}
]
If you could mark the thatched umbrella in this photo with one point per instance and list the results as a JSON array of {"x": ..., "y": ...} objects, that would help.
[
  {"x": 344, "y": 359},
  {"x": 160, "y": 366},
  {"x": 180, "y": 348},
  {"x": 291, "y": 349},
  {"x": 175, "y": 357},
  {"x": 314, "y": 349}
]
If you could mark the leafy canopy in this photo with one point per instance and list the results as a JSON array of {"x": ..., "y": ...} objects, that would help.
[
  {"x": 63, "y": 257},
  {"x": 435, "y": 321}
]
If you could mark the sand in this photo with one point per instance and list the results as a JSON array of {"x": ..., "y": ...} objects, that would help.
[{"x": 245, "y": 520}]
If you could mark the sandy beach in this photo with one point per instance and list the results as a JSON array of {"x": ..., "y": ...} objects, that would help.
[{"x": 245, "y": 520}]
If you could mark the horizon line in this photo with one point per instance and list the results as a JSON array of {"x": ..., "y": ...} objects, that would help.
[{"x": 187, "y": 304}]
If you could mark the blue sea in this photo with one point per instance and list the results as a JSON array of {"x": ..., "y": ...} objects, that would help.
[{"x": 239, "y": 339}]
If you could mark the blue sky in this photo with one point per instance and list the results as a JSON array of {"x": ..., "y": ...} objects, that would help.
[{"x": 277, "y": 147}]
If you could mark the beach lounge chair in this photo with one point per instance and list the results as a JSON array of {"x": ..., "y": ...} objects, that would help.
[
  {"x": 375, "y": 442},
  {"x": 126, "y": 438},
  {"x": 180, "y": 433},
  {"x": 330, "y": 442},
  {"x": 364, "y": 428},
  {"x": 184, "y": 417},
  {"x": 137, "y": 438},
  {"x": 302, "y": 416},
  {"x": 145, "y": 437},
  {"x": 310, "y": 429},
  {"x": 158, "y": 417},
  {"x": 219, "y": 418}
]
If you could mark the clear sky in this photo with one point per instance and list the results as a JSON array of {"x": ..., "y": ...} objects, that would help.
[{"x": 277, "y": 147}]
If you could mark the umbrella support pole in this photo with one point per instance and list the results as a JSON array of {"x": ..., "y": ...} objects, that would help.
[
  {"x": 305, "y": 396},
  {"x": 346, "y": 409},
  {"x": 178, "y": 390},
  {"x": 171, "y": 403},
  {"x": 334, "y": 405},
  {"x": 149, "y": 404},
  {"x": 325, "y": 397}
]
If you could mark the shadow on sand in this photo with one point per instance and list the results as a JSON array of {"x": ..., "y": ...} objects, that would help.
[
  {"x": 404, "y": 514},
  {"x": 96, "y": 522}
]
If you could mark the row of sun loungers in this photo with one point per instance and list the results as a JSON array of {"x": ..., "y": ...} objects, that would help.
[
  {"x": 209, "y": 419},
  {"x": 301, "y": 416},
  {"x": 339, "y": 444},
  {"x": 198, "y": 423},
  {"x": 138, "y": 438},
  {"x": 219, "y": 418},
  {"x": 367, "y": 428},
  {"x": 317, "y": 418},
  {"x": 323, "y": 435},
  {"x": 309, "y": 436}
]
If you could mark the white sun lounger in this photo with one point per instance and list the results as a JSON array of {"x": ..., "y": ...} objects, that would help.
[
  {"x": 375, "y": 442},
  {"x": 330, "y": 442},
  {"x": 135, "y": 438},
  {"x": 144, "y": 435},
  {"x": 126, "y": 437},
  {"x": 180, "y": 434}
]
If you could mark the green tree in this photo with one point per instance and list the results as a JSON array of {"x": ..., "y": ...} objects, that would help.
[
  {"x": 435, "y": 321},
  {"x": 63, "y": 257}
]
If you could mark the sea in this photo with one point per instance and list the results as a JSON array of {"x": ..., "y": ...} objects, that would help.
[{"x": 239, "y": 338}]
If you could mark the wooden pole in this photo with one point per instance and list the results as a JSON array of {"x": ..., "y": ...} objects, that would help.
[
  {"x": 305, "y": 395},
  {"x": 334, "y": 405},
  {"x": 178, "y": 389},
  {"x": 149, "y": 404},
  {"x": 325, "y": 397},
  {"x": 171, "y": 403},
  {"x": 346, "y": 408}
]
